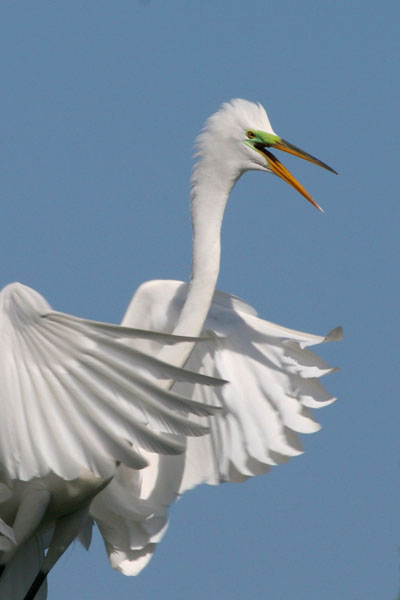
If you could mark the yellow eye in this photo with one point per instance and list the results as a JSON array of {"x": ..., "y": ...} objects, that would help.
[{"x": 250, "y": 134}]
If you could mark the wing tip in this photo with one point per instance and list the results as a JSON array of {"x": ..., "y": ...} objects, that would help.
[{"x": 335, "y": 335}]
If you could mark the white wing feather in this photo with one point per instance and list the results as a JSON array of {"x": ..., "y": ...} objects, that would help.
[
  {"x": 76, "y": 395},
  {"x": 273, "y": 382}
]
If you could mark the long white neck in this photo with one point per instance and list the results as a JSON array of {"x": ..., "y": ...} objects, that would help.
[{"x": 210, "y": 192}]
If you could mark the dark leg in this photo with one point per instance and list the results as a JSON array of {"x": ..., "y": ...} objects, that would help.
[
  {"x": 36, "y": 585},
  {"x": 66, "y": 530}
]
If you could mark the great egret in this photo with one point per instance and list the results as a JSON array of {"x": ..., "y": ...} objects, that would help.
[
  {"x": 273, "y": 382},
  {"x": 273, "y": 377}
]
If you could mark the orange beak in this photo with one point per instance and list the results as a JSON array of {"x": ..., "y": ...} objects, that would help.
[{"x": 279, "y": 169}]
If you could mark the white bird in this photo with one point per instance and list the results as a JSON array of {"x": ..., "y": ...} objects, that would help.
[
  {"x": 61, "y": 376},
  {"x": 273, "y": 377}
]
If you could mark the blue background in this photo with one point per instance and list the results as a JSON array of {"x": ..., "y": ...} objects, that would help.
[{"x": 100, "y": 103}]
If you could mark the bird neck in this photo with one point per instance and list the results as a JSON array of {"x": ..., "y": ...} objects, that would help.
[{"x": 210, "y": 193}]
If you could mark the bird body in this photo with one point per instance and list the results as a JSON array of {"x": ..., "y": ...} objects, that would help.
[{"x": 93, "y": 412}]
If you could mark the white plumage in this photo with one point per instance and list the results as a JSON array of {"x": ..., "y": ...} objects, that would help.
[{"x": 80, "y": 396}]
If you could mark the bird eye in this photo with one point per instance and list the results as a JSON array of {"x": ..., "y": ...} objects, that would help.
[{"x": 250, "y": 134}]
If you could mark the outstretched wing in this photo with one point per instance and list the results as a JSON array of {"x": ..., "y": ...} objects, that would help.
[
  {"x": 273, "y": 383},
  {"x": 76, "y": 395}
]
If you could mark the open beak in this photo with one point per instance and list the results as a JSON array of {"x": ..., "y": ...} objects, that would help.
[{"x": 279, "y": 169}]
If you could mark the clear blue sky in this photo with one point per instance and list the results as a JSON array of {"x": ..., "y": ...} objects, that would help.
[{"x": 100, "y": 103}]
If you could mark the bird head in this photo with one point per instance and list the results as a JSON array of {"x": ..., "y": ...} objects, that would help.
[{"x": 239, "y": 138}]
